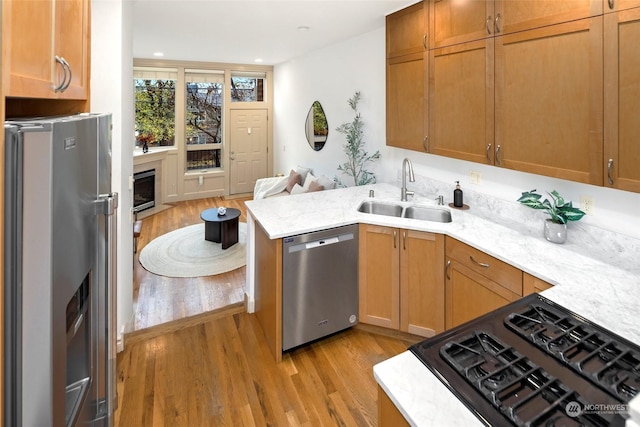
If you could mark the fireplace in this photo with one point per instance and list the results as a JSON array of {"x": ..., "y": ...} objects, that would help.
[{"x": 144, "y": 190}]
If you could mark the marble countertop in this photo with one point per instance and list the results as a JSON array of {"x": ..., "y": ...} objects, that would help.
[{"x": 606, "y": 294}]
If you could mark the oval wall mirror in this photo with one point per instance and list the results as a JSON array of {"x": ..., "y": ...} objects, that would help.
[{"x": 316, "y": 127}]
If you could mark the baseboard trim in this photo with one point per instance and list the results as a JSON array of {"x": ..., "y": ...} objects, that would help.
[{"x": 187, "y": 322}]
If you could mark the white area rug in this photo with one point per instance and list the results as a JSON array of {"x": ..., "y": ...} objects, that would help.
[{"x": 185, "y": 253}]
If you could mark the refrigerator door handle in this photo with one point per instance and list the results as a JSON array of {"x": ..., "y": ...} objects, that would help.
[{"x": 107, "y": 205}]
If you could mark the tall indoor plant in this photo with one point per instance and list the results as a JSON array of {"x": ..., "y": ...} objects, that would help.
[
  {"x": 357, "y": 157},
  {"x": 560, "y": 210}
]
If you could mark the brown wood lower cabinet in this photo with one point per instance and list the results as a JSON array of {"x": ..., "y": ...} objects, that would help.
[
  {"x": 388, "y": 414},
  {"x": 476, "y": 283},
  {"x": 531, "y": 284},
  {"x": 401, "y": 279}
]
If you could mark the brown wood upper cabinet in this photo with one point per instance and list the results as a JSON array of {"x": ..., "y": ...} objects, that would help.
[
  {"x": 528, "y": 100},
  {"x": 460, "y": 22},
  {"x": 476, "y": 283},
  {"x": 47, "y": 49},
  {"x": 401, "y": 279},
  {"x": 407, "y": 78},
  {"x": 548, "y": 98},
  {"x": 622, "y": 99},
  {"x": 407, "y": 31}
]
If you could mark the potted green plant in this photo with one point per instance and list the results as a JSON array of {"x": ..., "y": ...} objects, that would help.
[{"x": 560, "y": 210}]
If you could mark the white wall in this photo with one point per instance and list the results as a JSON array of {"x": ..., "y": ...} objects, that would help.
[
  {"x": 112, "y": 91},
  {"x": 333, "y": 74}
]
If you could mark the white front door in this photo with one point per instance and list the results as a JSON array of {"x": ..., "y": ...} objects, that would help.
[{"x": 247, "y": 149}]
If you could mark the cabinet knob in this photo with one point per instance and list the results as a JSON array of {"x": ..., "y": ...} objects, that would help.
[
  {"x": 497, "y": 157},
  {"x": 487, "y": 24},
  {"x": 496, "y": 23},
  {"x": 488, "y": 151},
  {"x": 610, "y": 4}
]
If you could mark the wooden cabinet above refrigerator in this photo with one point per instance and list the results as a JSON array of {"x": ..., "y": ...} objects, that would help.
[{"x": 46, "y": 49}]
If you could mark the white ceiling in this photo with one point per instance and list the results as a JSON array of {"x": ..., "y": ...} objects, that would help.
[{"x": 240, "y": 31}]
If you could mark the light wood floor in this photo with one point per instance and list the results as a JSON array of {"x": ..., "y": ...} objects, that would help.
[
  {"x": 220, "y": 372},
  {"x": 159, "y": 299}
]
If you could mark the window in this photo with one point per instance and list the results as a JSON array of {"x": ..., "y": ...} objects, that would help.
[
  {"x": 203, "y": 118},
  {"x": 155, "y": 106},
  {"x": 247, "y": 87}
]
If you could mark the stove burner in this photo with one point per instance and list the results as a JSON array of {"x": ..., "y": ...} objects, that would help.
[
  {"x": 561, "y": 420},
  {"x": 535, "y": 363},
  {"x": 624, "y": 382},
  {"x": 520, "y": 390},
  {"x": 586, "y": 350}
]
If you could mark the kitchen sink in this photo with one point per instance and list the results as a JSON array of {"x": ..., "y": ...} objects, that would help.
[
  {"x": 423, "y": 213},
  {"x": 427, "y": 214},
  {"x": 380, "y": 208}
]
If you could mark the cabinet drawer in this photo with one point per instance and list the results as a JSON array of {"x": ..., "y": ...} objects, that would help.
[{"x": 498, "y": 271}]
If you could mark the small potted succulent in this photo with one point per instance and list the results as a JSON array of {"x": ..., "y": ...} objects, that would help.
[{"x": 560, "y": 210}]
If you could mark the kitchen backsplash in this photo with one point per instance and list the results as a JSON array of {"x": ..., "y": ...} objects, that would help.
[{"x": 608, "y": 246}]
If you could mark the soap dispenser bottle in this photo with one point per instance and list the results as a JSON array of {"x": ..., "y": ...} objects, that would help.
[{"x": 457, "y": 196}]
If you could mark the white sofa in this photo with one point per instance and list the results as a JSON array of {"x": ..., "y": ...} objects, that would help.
[{"x": 300, "y": 180}]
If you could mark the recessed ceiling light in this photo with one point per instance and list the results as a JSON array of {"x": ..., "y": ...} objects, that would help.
[
  {"x": 257, "y": 60},
  {"x": 303, "y": 28},
  {"x": 158, "y": 54}
]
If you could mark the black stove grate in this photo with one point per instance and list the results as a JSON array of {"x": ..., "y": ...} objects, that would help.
[
  {"x": 520, "y": 390},
  {"x": 593, "y": 353}
]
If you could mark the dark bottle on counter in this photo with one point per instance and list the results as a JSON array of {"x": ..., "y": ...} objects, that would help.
[{"x": 457, "y": 196}]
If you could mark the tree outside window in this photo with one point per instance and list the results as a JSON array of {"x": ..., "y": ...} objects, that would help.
[
  {"x": 204, "y": 113},
  {"x": 155, "y": 106}
]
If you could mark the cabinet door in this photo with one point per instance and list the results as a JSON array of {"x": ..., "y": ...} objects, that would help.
[
  {"x": 407, "y": 109},
  {"x": 469, "y": 294},
  {"x": 407, "y": 31},
  {"x": 27, "y": 32},
  {"x": 72, "y": 43},
  {"x": 461, "y": 101},
  {"x": 622, "y": 100},
  {"x": 457, "y": 21},
  {"x": 616, "y": 5},
  {"x": 379, "y": 281},
  {"x": 513, "y": 16},
  {"x": 548, "y": 101},
  {"x": 531, "y": 284},
  {"x": 421, "y": 283}
]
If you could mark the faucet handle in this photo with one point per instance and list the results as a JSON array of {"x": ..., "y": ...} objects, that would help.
[{"x": 440, "y": 199}]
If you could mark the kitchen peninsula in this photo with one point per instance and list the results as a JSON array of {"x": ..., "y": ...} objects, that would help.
[{"x": 602, "y": 292}]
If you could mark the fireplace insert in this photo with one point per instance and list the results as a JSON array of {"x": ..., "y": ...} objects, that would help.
[{"x": 144, "y": 190}]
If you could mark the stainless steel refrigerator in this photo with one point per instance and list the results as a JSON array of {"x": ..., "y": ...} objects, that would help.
[{"x": 59, "y": 272}]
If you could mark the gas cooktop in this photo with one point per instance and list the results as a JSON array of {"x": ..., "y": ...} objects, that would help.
[{"x": 533, "y": 362}]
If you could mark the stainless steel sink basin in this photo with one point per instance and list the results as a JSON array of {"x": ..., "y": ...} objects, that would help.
[
  {"x": 427, "y": 214},
  {"x": 423, "y": 213},
  {"x": 380, "y": 208}
]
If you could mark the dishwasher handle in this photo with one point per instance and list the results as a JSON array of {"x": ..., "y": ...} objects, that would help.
[{"x": 320, "y": 243}]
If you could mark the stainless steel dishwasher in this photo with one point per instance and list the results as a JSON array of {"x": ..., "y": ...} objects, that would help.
[{"x": 320, "y": 284}]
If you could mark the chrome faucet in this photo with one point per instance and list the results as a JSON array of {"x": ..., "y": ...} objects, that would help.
[{"x": 404, "y": 192}]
